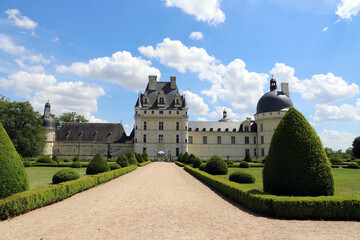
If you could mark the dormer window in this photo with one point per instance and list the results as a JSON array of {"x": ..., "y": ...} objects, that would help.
[
  {"x": 161, "y": 100},
  {"x": 145, "y": 101},
  {"x": 177, "y": 102}
]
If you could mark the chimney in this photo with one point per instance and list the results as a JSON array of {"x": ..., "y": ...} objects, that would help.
[
  {"x": 152, "y": 82},
  {"x": 285, "y": 88},
  {"x": 173, "y": 82}
]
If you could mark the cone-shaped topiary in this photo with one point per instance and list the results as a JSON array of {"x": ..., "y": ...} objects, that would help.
[
  {"x": 196, "y": 162},
  {"x": 216, "y": 166},
  {"x": 145, "y": 156},
  {"x": 185, "y": 157},
  {"x": 122, "y": 161},
  {"x": 247, "y": 157},
  {"x": 97, "y": 165},
  {"x": 190, "y": 159},
  {"x": 55, "y": 159},
  {"x": 180, "y": 157},
  {"x": 132, "y": 159},
  {"x": 13, "y": 178},
  {"x": 139, "y": 158},
  {"x": 297, "y": 164}
]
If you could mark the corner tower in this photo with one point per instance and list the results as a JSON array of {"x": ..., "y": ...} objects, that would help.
[{"x": 49, "y": 124}]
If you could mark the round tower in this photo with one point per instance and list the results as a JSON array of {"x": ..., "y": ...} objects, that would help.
[{"x": 49, "y": 124}]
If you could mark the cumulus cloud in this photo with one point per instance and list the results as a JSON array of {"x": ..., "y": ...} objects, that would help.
[
  {"x": 348, "y": 8},
  {"x": 55, "y": 39},
  {"x": 121, "y": 68},
  {"x": 330, "y": 113},
  {"x": 93, "y": 119},
  {"x": 8, "y": 46},
  {"x": 204, "y": 10},
  {"x": 197, "y": 106},
  {"x": 201, "y": 119},
  {"x": 320, "y": 89},
  {"x": 32, "y": 63},
  {"x": 196, "y": 36},
  {"x": 77, "y": 97},
  {"x": 19, "y": 20},
  {"x": 336, "y": 140},
  {"x": 218, "y": 113}
]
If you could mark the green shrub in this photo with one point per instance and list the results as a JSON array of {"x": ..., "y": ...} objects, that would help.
[
  {"x": 27, "y": 163},
  {"x": 66, "y": 160},
  {"x": 248, "y": 157},
  {"x": 145, "y": 156},
  {"x": 132, "y": 159},
  {"x": 353, "y": 165},
  {"x": 122, "y": 160},
  {"x": 180, "y": 157},
  {"x": 244, "y": 164},
  {"x": 297, "y": 164},
  {"x": 196, "y": 162},
  {"x": 45, "y": 159},
  {"x": 97, "y": 165},
  {"x": 335, "y": 160},
  {"x": 202, "y": 167},
  {"x": 216, "y": 166},
  {"x": 230, "y": 162},
  {"x": 76, "y": 164},
  {"x": 190, "y": 159},
  {"x": 114, "y": 166},
  {"x": 65, "y": 175},
  {"x": 356, "y": 147},
  {"x": 139, "y": 158},
  {"x": 55, "y": 159},
  {"x": 144, "y": 163},
  {"x": 242, "y": 177},
  {"x": 76, "y": 158},
  {"x": 185, "y": 157}
]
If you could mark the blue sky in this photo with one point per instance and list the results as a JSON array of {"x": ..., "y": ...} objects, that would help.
[{"x": 94, "y": 57}]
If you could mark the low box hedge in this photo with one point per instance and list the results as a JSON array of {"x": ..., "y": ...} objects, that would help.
[
  {"x": 144, "y": 163},
  {"x": 323, "y": 207},
  {"x": 65, "y": 164},
  {"x": 29, "y": 200},
  {"x": 180, "y": 164}
]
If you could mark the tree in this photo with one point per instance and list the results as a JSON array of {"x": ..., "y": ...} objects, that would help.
[
  {"x": 297, "y": 164},
  {"x": 356, "y": 147},
  {"x": 68, "y": 117},
  {"x": 24, "y": 127}
]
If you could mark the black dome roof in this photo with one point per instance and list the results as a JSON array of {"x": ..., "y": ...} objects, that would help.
[
  {"x": 273, "y": 101},
  {"x": 48, "y": 122}
]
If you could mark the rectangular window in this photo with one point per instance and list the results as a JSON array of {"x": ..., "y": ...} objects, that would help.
[
  {"x": 247, "y": 151},
  {"x": 161, "y": 138},
  {"x": 219, "y": 140},
  {"x": 161, "y": 125},
  {"x": 144, "y": 138},
  {"x": 177, "y": 126},
  {"x": 247, "y": 140},
  {"x": 246, "y": 128},
  {"x": 185, "y": 140},
  {"x": 152, "y": 112},
  {"x": 144, "y": 125},
  {"x": 144, "y": 112},
  {"x": 170, "y": 112},
  {"x": 204, "y": 139},
  {"x": 177, "y": 112},
  {"x": 190, "y": 139},
  {"x": 254, "y": 140},
  {"x": 161, "y": 112},
  {"x": 262, "y": 152},
  {"x": 177, "y": 151},
  {"x": 254, "y": 152},
  {"x": 233, "y": 140},
  {"x": 161, "y": 100},
  {"x": 262, "y": 139},
  {"x": 177, "y": 139},
  {"x": 144, "y": 149},
  {"x": 261, "y": 127}
]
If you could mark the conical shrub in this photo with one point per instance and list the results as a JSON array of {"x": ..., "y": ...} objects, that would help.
[
  {"x": 145, "y": 156},
  {"x": 13, "y": 178},
  {"x": 132, "y": 160},
  {"x": 297, "y": 164},
  {"x": 122, "y": 161},
  {"x": 97, "y": 165}
]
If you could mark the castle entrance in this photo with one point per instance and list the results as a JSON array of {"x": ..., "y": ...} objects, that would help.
[{"x": 160, "y": 156}]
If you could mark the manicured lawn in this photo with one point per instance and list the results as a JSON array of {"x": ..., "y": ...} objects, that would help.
[
  {"x": 42, "y": 176},
  {"x": 347, "y": 181}
]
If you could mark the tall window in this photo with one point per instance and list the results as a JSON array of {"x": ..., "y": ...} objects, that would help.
[
  {"x": 262, "y": 152},
  {"x": 161, "y": 100},
  {"x": 190, "y": 139},
  {"x": 144, "y": 140},
  {"x": 177, "y": 152},
  {"x": 144, "y": 125},
  {"x": 219, "y": 140},
  {"x": 232, "y": 139},
  {"x": 254, "y": 140},
  {"x": 177, "y": 126},
  {"x": 204, "y": 139},
  {"x": 177, "y": 101},
  {"x": 161, "y": 138},
  {"x": 246, "y": 128},
  {"x": 161, "y": 125},
  {"x": 161, "y": 112},
  {"x": 254, "y": 152},
  {"x": 144, "y": 149},
  {"x": 177, "y": 139},
  {"x": 170, "y": 112},
  {"x": 261, "y": 127},
  {"x": 247, "y": 140},
  {"x": 262, "y": 139}
]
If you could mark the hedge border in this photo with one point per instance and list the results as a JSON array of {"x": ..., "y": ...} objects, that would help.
[
  {"x": 323, "y": 207},
  {"x": 180, "y": 164},
  {"x": 144, "y": 163},
  {"x": 68, "y": 164},
  {"x": 21, "y": 203}
]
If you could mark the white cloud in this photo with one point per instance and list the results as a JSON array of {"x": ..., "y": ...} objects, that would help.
[
  {"x": 128, "y": 128},
  {"x": 7, "y": 45},
  {"x": 32, "y": 60},
  {"x": 55, "y": 39},
  {"x": 348, "y": 8},
  {"x": 319, "y": 89},
  {"x": 330, "y": 113},
  {"x": 93, "y": 119},
  {"x": 196, "y": 36},
  {"x": 325, "y": 29},
  {"x": 19, "y": 20},
  {"x": 77, "y": 97},
  {"x": 336, "y": 140},
  {"x": 121, "y": 68},
  {"x": 218, "y": 113},
  {"x": 201, "y": 119},
  {"x": 197, "y": 106},
  {"x": 204, "y": 10}
]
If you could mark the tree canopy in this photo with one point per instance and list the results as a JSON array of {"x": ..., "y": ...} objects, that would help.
[
  {"x": 68, "y": 117},
  {"x": 24, "y": 126},
  {"x": 356, "y": 147}
]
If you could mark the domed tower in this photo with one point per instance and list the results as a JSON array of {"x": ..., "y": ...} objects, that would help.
[
  {"x": 271, "y": 107},
  {"x": 49, "y": 124},
  {"x": 225, "y": 118}
]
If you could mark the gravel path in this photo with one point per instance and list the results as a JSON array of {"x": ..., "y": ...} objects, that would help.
[{"x": 161, "y": 201}]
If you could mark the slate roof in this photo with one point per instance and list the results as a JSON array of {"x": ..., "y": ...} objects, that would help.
[
  {"x": 212, "y": 126},
  {"x": 92, "y": 132}
]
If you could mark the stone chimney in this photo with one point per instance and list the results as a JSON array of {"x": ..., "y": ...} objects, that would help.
[
  {"x": 152, "y": 82},
  {"x": 173, "y": 82},
  {"x": 285, "y": 88}
]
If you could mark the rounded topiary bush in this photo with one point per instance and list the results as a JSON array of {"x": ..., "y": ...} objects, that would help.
[
  {"x": 145, "y": 156},
  {"x": 45, "y": 159},
  {"x": 139, "y": 158},
  {"x": 65, "y": 175},
  {"x": 13, "y": 178},
  {"x": 97, "y": 165},
  {"x": 180, "y": 157},
  {"x": 27, "y": 163},
  {"x": 242, "y": 177},
  {"x": 297, "y": 164},
  {"x": 55, "y": 159},
  {"x": 114, "y": 166},
  {"x": 202, "y": 167},
  {"x": 248, "y": 157},
  {"x": 244, "y": 164},
  {"x": 190, "y": 159},
  {"x": 76, "y": 158},
  {"x": 132, "y": 159},
  {"x": 353, "y": 165},
  {"x": 122, "y": 160},
  {"x": 196, "y": 162},
  {"x": 230, "y": 162},
  {"x": 66, "y": 160},
  {"x": 76, "y": 164},
  {"x": 216, "y": 166}
]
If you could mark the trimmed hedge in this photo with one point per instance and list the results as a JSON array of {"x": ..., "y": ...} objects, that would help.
[
  {"x": 122, "y": 160},
  {"x": 21, "y": 203},
  {"x": 114, "y": 166},
  {"x": 241, "y": 177},
  {"x": 353, "y": 165},
  {"x": 97, "y": 165},
  {"x": 27, "y": 163},
  {"x": 76, "y": 164},
  {"x": 45, "y": 159},
  {"x": 55, "y": 159},
  {"x": 216, "y": 166},
  {"x": 244, "y": 164},
  {"x": 65, "y": 175},
  {"x": 144, "y": 163},
  {"x": 132, "y": 160},
  {"x": 197, "y": 162},
  {"x": 180, "y": 164},
  {"x": 67, "y": 164},
  {"x": 202, "y": 167},
  {"x": 322, "y": 207},
  {"x": 139, "y": 158}
]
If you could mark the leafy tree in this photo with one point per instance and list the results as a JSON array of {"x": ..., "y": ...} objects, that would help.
[
  {"x": 68, "y": 117},
  {"x": 356, "y": 147},
  {"x": 24, "y": 126}
]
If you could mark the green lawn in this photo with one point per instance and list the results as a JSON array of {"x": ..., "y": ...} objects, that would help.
[
  {"x": 347, "y": 181},
  {"x": 42, "y": 176}
]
